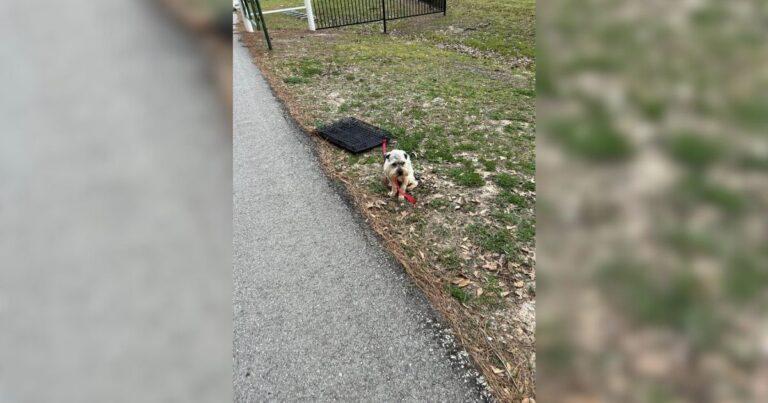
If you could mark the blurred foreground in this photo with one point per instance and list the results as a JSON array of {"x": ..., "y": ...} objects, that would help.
[
  {"x": 651, "y": 165},
  {"x": 115, "y": 208}
]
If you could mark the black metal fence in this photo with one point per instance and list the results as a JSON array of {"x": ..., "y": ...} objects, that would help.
[
  {"x": 252, "y": 11},
  {"x": 339, "y": 13}
]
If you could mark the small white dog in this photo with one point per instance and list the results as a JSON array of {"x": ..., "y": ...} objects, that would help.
[{"x": 398, "y": 170}]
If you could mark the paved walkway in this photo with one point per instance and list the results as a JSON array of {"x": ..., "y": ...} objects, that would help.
[
  {"x": 321, "y": 311},
  {"x": 115, "y": 208}
]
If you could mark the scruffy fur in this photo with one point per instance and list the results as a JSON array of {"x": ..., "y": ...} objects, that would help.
[{"x": 398, "y": 170}]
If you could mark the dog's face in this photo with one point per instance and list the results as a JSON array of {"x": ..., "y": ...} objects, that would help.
[{"x": 397, "y": 163}]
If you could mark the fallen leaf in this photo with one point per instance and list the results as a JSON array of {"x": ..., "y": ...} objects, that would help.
[
  {"x": 490, "y": 266},
  {"x": 496, "y": 370},
  {"x": 479, "y": 292},
  {"x": 422, "y": 255},
  {"x": 461, "y": 282},
  {"x": 504, "y": 294},
  {"x": 519, "y": 284}
]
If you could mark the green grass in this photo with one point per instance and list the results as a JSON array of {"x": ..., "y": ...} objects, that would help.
[
  {"x": 491, "y": 298},
  {"x": 459, "y": 293},
  {"x": 526, "y": 231},
  {"x": 489, "y": 165},
  {"x": 295, "y": 80},
  {"x": 492, "y": 240},
  {"x": 506, "y": 197},
  {"x": 745, "y": 277},
  {"x": 593, "y": 137},
  {"x": 677, "y": 301},
  {"x": 696, "y": 189},
  {"x": 309, "y": 68},
  {"x": 466, "y": 176},
  {"x": 410, "y": 142},
  {"x": 450, "y": 259},
  {"x": 694, "y": 151},
  {"x": 438, "y": 203},
  {"x": 438, "y": 152},
  {"x": 506, "y": 181},
  {"x": 376, "y": 187}
]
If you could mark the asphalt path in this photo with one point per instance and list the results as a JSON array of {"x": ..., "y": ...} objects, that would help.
[{"x": 321, "y": 311}]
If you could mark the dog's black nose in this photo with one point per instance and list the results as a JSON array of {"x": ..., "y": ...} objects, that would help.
[{"x": 399, "y": 171}]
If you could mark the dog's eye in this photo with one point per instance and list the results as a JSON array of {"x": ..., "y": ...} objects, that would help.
[
  {"x": 406, "y": 155},
  {"x": 386, "y": 156}
]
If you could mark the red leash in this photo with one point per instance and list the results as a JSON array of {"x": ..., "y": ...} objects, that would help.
[{"x": 408, "y": 197}]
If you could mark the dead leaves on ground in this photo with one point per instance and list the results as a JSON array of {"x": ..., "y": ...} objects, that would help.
[{"x": 461, "y": 282}]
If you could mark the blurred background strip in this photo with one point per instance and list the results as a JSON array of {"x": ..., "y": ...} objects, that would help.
[
  {"x": 115, "y": 207},
  {"x": 652, "y": 172}
]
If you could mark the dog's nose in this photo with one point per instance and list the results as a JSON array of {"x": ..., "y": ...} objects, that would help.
[{"x": 399, "y": 171}]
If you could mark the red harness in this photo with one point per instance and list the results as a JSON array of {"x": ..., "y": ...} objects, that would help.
[{"x": 408, "y": 197}]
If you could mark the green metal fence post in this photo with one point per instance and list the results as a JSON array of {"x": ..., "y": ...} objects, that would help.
[{"x": 264, "y": 25}]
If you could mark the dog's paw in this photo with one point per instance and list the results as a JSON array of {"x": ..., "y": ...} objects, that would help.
[
  {"x": 392, "y": 193},
  {"x": 413, "y": 184}
]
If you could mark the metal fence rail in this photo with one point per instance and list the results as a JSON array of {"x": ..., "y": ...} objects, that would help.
[
  {"x": 252, "y": 14},
  {"x": 339, "y": 13}
]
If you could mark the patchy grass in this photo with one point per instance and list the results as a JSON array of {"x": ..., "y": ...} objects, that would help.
[
  {"x": 466, "y": 176},
  {"x": 295, "y": 80},
  {"x": 458, "y": 94},
  {"x": 697, "y": 152},
  {"x": 506, "y": 181},
  {"x": 459, "y": 293},
  {"x": 450, "y": 259},
  {"x": 499, "y": 241}
]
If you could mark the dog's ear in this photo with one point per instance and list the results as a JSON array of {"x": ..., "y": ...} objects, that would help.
[
  {"x": 386, "y": 156},
  {"x": 406, "y": 155}
]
